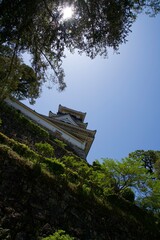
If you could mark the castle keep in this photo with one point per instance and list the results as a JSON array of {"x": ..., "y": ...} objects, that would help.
[{"x": 67, "y": 125}]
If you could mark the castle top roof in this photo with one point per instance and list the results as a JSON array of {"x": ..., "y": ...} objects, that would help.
[{"x": 77, "y": 114}]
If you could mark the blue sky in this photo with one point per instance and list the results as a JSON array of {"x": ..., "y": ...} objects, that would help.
[{"x": 120, "y": 94}]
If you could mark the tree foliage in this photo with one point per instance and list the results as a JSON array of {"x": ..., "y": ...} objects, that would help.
[
  {"x": 151, "y": 161},
  {"x": 125, "y": 174},
  {"x": 16, "y": 78},
  {"x": 37, "y": 27},
  {"x": 148, "y": 158},
  {"x": 130, "y": 178}
]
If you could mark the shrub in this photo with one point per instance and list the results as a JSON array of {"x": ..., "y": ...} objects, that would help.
[
  {"x": 86, "y": 189},
  {"x": 45, "y": 149},
  {"x": 7, "y": 152},
  {"x": 20, "y": 148},
  {"x": 59, "y": 235},
  {"x": 60, "y": 143},
  {"x": 72, "y": 176},
  {"x": 53, "y": 165}
]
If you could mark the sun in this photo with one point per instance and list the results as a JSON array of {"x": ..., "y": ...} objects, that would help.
[{"x": 67, "y": 13}]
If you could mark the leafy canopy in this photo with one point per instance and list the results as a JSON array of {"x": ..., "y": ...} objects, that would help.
[
  {"x": 16, "y": 78},
  {"x": 139, "y": 172},
  {"x": 38, "y": 28}
]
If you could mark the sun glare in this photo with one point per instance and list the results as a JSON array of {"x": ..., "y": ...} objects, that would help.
[{"x": 67, "y": 13}]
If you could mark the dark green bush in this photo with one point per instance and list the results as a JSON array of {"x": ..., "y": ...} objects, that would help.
[
  {"x": 37, "y": 169},
  {"x": 53, "y": 165},
  {"x": 20, "y": 148},
  {"x": 72, "y": 176},
  {"x": 128, "y": 194},
  {"x": 45, "y": 149},
  {"x": 7, "y": 152}
]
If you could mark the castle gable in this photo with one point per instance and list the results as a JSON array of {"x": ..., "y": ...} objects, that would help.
[{"x": 67, "y": 119}]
